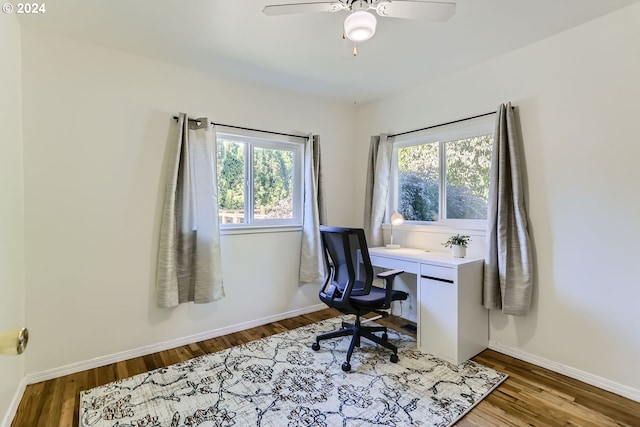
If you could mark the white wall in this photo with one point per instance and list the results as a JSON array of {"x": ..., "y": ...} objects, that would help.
[
  {"x": 12, "y": 288},
  {"x": 95, "y": 132},
  {"x": 96, "y": 128},
  {"x": 578, "y": 99}
]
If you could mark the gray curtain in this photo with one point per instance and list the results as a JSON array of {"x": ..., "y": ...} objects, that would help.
[
  {"x": 508, "y": 259},
  {"x": 314, "y": 214},
  {"x": 189, "y": 258},
  {"x": 377, "y": 187},
  {"x": 319, "y": 180}
]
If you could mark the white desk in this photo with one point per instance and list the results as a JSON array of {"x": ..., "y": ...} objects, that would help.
[{"x": 452, "y": 323}]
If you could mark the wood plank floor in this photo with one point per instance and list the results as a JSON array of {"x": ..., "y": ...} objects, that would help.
[{"x": 531, "y": 396}]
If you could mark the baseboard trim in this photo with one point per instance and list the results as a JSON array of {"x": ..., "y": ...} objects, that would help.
[
  {"x": 13, "y": 407},
  {"x": 165, "y": 345},
  {"x": 577, "y": 374}
]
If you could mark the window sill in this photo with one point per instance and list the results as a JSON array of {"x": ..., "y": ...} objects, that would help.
[
  {"x": 439, "y": 227},
  {"x": 258, "y": 229}
]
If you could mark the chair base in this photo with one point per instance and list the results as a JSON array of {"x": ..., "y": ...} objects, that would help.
[{"x": 358, "y": 331}]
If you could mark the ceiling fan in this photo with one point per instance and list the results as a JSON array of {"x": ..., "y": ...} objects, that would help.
[{"x": 360, "y": 24}]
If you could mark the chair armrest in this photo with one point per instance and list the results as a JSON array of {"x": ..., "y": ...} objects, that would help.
[
  {"x": 326, "y": 290},
  {"x": 388, "y": 277},
  {"x": 389, "y": 273}
]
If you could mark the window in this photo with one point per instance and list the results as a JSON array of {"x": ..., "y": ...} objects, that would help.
[
  {"x": 259, "y": 181},
  {"x": 443, "y": 175}
]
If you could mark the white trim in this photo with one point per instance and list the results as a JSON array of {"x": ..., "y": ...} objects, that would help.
[
  {"x": 437, "y": 227},
  {"x": 15, "y": 402},
  {"x": 258, "y": 229},
  {"x": 449, "y": 132},
  {"x": 577, "y": 374},
  {"x": 154, "y": 348}
]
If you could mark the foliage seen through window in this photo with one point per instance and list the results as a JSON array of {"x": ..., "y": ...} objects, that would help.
[
  {"x": 272, "y": 169},
  {"x": 464, "y": 181}
]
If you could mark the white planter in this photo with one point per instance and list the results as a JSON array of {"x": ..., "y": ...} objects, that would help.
[{"x": 458, "y": 251}]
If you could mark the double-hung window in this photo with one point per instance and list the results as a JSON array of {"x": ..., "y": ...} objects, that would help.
[
  {"x": 442, "y": 175},
  {"x": 259, "y": 181}
]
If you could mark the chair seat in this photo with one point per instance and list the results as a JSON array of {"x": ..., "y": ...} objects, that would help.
[{"x": 375, "y": 298}]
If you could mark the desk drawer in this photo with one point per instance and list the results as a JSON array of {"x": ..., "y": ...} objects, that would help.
[
  {"x": 437, "y": 272},
  {"x": 394, "y": 264}
]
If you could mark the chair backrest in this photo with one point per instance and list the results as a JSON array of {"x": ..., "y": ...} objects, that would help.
[{"x": 349, "y": 269}]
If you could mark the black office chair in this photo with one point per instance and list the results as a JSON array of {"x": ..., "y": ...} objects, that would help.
[{"x": 349, "y": 288}]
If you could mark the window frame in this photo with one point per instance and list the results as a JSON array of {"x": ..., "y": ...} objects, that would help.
[
  {"x": 252, "y": 140},
  {"x": 440, "y": 135}
]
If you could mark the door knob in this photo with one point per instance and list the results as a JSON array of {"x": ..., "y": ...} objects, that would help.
[{"x": 14, "y": 341}]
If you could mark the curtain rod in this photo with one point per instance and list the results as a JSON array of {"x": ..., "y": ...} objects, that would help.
[
  {"x": 443, "y": 124},
  {"x": 250, "y": 129}
]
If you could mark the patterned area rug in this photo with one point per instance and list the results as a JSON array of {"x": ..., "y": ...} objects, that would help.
[{"x": 280, "y": 381}]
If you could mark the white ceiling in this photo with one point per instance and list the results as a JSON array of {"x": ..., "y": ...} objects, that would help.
[{"x": 306, "y": 53}]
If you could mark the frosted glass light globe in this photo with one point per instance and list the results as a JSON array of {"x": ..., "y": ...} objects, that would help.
[{"x": 360, "y": 26}]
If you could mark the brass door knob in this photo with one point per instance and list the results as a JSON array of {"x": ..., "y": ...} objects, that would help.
[{"x": 14, "y": 341}]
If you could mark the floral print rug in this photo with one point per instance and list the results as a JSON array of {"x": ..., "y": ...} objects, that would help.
[{"x": 280, "y": 381}]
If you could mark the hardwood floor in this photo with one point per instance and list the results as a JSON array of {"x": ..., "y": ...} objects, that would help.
[{"x": 531, "y": 396}]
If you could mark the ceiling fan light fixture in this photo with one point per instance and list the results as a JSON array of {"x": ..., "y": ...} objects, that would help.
[{"x": 360, "y": 26}]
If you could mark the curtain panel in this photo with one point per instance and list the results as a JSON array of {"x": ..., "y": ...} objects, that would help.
[
  {"x": 377, "y": 187},
  {"x": 189, "y": 259},
  {"x": 508, "y": 273},
  {"x": 314, "y": 214}
]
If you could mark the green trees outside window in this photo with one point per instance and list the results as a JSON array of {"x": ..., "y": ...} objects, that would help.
[
  {"x": 230, "y": 175},
  {"x": 465, "y": 179},
  {"x": 418, "y": 178},
  {"x": 273, "y": 182},
  {"x": 271, "y": 172}
]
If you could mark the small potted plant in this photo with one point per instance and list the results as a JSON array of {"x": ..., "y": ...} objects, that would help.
[{"x": 458, "y": 244}]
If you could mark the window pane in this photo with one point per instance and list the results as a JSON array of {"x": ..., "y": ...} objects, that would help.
[
  {"x": 272, "y": 183},
  {"x": 418, "y": 193},
  {"x": 467, "y": 177},
  {"x": 231, "y": 182}
]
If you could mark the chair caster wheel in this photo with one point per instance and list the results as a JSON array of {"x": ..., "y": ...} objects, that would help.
[
  {"x": 385, "y": 337},
  {"x": 394, "y": 358},
  {"x": 315, "y": 346},
  {"x": 346, "y": 366}
]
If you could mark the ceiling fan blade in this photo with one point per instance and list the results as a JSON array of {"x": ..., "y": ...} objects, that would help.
[
  {"x": 409, "y": 9},
  {"x": 288, "y": 9}
]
